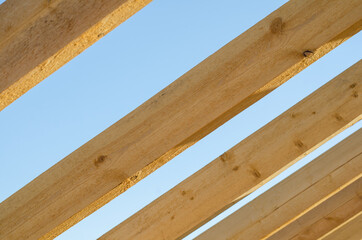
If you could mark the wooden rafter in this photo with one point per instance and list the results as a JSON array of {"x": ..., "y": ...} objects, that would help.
[
  {"x": 351, "y": 230},
  {"x": 295, "y": 195},
  {"x": 37, "y": 37},
  {"x": 326, "y": 216},
  {"x": 238, "y": 75},
  {"x": 250, "y": 163}
]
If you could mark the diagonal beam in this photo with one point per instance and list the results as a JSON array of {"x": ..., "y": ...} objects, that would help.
[
  {"x": 221, "y": 86},
  {"x": 295, "y": 195},
  {"x": 37, "y": 37},
  {"x": 328, "y": 215},
  {"x": 351, "y": 230},
  {"x": 251, "y": 163}
]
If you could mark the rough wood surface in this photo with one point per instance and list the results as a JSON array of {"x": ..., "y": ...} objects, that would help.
[
  {"x": 328, "y": 215},
  {"x": 227, "y": 82},
  {"x": 351, "y": 230},
  {"x": 37, "y": 37},
  {"x": 294, "y": 195},
  {"x": 250, "y": 163}
]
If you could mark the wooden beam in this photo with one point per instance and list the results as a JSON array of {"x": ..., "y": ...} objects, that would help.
[
  {"x": 227, "y": 82},
  {"x": 326, "y": 216},
  {"x": 250, "y": 163},
  {"x": 37, "y": 37},
  {"x": 295, "y": 195},
  {"x": 351, "y": 230}
]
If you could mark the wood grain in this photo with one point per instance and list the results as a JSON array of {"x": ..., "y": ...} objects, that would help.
[
  {"x": 351, "y": 230},
  {"x": 230, "y": 80},
  {"x": 328, "y": 215},
  {"x": 37, "y": 37},
  {"x": 295, "y": 195},
  {"x": 251, "y": 163}
]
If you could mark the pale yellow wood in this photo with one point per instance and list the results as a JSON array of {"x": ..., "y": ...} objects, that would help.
[
  {"x": 326, "y": 216},
  {"x": 294, "y": 195},
  {"x": 221, "y": 86},
  {"x": 351, "y": 230},
  {"x": 249, "y": 164},
  {"x": 39, "y": 36}
]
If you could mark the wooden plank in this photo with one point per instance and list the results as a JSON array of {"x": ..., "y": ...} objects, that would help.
[
  {"x": 351, "y": 230},
  {"x": 250, "y": 163},
  {"x": 227, "y": 82},
  {"x": 37, "y": 37},
  {"x": 294, "y": 195},
  {"x": 326, "y": 216}
]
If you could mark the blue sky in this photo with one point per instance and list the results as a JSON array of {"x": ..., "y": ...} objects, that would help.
[{"x": 124, "y": 69}]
